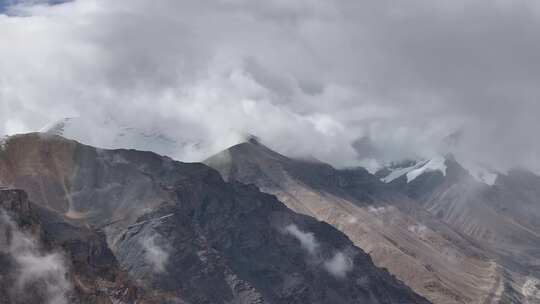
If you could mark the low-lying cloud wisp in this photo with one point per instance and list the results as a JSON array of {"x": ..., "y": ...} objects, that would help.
[
  {"x": 340, "y": 263},
  {"x": 155, "y": 254},
  {"x": 34, "y": 267}
]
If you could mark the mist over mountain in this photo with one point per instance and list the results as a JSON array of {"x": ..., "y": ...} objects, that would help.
[
  {"x": 127, "y": 226},
  {"x": 451, "y": 236},
  {"x": 269, "y": 151},
  {"x": 310, "y": 77}
]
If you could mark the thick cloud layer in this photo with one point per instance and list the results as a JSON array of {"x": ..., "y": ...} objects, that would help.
[{"x": 344, "y": 80}]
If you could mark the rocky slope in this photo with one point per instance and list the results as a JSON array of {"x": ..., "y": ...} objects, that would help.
[
  {"x": 438, "y": 261},
  {"x": 503, "y": 216},
  {"x": 183, "y": 235}
]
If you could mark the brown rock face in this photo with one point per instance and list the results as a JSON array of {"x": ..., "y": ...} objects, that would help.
[
  {"x": 157, "y": 231},
  {"x": 503, "y": 218},
  {"x": 439, "y": 261}
]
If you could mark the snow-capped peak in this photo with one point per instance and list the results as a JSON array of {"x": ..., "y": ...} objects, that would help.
[
  {"x": 437, "y": 163},
  {"x": 413, "y": 169}
]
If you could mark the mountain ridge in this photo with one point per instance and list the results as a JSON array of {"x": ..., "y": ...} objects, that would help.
[
  {"x": 182, "y": 233},
  {"x": 381, "y": 219}
]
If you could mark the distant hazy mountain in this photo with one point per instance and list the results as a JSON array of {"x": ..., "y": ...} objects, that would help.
[
  {"x": 111, "y": 134},
  {"x": 123, "y": 226},
  {"x": 503, "y": 213},
  {"x": 444, "y": 232}
]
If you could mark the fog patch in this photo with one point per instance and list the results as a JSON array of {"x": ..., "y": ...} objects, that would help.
[
  {"x": 155, "y": 255},
  {"x": 307, "y": 239},
  {"x": 392, "y": 90},
  {"x": 35, "y": 269},
  {"x": 338, "y": 265}
]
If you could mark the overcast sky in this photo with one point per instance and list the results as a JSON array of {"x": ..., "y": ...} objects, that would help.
[{"x": 307, "y": 76}]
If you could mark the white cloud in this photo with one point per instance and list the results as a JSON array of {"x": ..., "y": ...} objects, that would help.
[
  {"x": 33, "y": 265},
  {"x": 308, "y": 77},
  {"x": 339, "y": 265},
  {"x": 307, "y": 239}
]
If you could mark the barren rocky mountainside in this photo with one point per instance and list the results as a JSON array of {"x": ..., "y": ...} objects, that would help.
[
  {"x": 124, "y": 226},
  {"x": 502, "y": 215},
  {"x": 440, "y": 254}
]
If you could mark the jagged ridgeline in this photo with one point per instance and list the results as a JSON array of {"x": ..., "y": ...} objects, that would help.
[
  {"x": 452, "y": 237},
  {"x": 123, "y": 226}
]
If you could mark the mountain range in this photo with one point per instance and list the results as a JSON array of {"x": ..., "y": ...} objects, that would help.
[
  {"x": 450, "y": 236},
  {"x": 251, "y": 225},
  {"x": 88, "y": 225}
]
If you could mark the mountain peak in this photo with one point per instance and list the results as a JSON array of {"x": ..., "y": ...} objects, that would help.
[
  {"x": 252, "y": 139},
  {"x": 179, "y": 230}
]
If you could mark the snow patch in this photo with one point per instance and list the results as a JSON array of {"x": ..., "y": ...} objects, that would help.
[
  {"x": 416, "y": 169},
  {"x": 397, "y": 173},
  {"x": 413, "y": 170},
  {"x": 435, "y": 164}
]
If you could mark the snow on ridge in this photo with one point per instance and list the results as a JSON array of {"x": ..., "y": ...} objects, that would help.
[
  {"x": 418, "y": 168},
  {"x": 398, "y": 172},
  {"x": 479, "y": 172},
  {"x": 435, "y": 164}
]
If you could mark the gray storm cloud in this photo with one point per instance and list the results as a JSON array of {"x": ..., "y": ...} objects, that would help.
[{"x": 308, "y": 76}]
